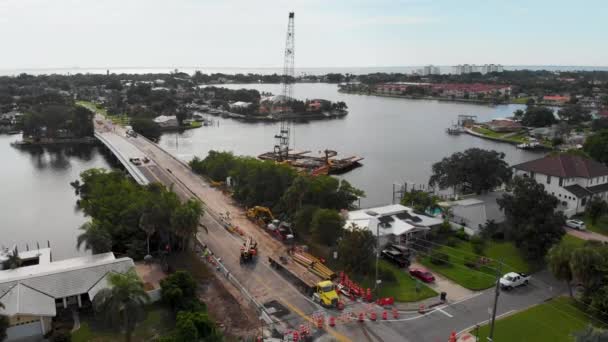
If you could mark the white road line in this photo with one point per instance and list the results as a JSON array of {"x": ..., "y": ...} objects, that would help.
[
  {"x": 484, "y": 322},
  {"x": 443, "y": 312}
]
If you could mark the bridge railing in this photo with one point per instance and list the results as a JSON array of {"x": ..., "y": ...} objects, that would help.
[{"x": 132, "y": 169}]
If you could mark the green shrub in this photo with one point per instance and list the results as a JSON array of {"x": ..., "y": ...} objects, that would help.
[
  {"x": 470, "y": 261},
  {"x": 452, "y": 241},
  {"x": 462, "y": 235},
  {"x": 478, "y": 244},
  {"x": 439, "y": 258},
  {"x": 386, "y": 275}
]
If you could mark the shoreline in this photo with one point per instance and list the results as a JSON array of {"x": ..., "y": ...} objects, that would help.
[{"x": 483, "y": 136}]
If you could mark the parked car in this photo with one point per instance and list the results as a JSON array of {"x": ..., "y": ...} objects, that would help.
[
  {"x": 512, "y": 280},
  {"x": 396, "y": 257},
  {"x": 422, "y": 274},
  {"x": 576, "y": 224},
  {"x": 135, "y": 161},
  {"x": 402, "y": 249}
]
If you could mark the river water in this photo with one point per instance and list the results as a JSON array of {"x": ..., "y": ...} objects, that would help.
[
  {"x": 37, "y": 203},
  {"x": 399, "y": 138}
]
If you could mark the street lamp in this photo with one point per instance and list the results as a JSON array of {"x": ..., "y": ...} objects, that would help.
[{"x": 377, "y": 253}]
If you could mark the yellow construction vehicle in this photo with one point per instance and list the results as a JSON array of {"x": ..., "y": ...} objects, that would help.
[
  {"x": 325, "y": 294},
  {"x": 260, "y": 215}
]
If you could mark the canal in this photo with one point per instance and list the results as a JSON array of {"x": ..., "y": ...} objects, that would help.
[{"x": 399, "y": 138}]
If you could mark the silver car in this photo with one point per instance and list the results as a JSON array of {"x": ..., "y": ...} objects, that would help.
[{"x": 576, "y": 224}]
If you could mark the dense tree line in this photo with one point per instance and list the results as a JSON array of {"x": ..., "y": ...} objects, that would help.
[
  {"x": 130, "y": 219},
  {"x": 57, "y": 120},
  {"x": 311, "y": 202}
]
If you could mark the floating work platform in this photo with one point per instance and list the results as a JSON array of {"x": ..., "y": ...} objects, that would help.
[{"x": 321, "y": 165}]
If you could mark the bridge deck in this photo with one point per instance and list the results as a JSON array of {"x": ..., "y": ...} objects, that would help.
[{"x": 124, "y": 150}]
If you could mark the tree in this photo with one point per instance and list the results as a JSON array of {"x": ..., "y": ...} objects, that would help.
[
  {"x": 420, "y": 200},
  {"x": 518, "y": 114},
  {"x": 586, "y": 264},
  {"x": 303, "y": 218},
  {"x": 475, "y": 169},
  {"x": 179, "y": 291},
  {"x": 591, "y": 334},
  {"x": 531, "y": 220},
  {"x": 596, "y": 208},
  {"x": 4, "y": 324},
  {"x": 356, "y": 250},
  {"x": 12, "y": 261},
  {"x": 597, "y": 146},
  {"x": 574, "y": 114},
  {"x": 558, "y": 259},
  {"x": 148, "y": 225},
  {"x": 599, "y": 124},
  {"x": 95, "y": 238},
  {"x": 185, "y": 220},
  {"x": 122, "y": 303},
  {"x": 146, "y": 127},
  {"x": 538, "y": 116},
  {"x": 196, "y": 326},
  {"x": 326, "y": 226}
]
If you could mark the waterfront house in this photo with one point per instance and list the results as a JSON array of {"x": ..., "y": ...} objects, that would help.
[
  {"x": 504, "y": 125},
  {"x": 166, "y": 121},
  {"x": 555, "y": 99},
  {"x": 33, "y": 294},
  {"x": 393, "y": 223},
  {"x": 572, "y": 179}
]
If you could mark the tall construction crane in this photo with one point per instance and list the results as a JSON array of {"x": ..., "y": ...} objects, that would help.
[{"x": 281, "y": 149}]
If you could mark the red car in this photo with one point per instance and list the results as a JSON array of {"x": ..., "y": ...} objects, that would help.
[{"x": 422, "y": 274}]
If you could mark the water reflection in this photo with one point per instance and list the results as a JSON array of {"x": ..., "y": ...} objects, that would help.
[{"x": 58, "y": 157}]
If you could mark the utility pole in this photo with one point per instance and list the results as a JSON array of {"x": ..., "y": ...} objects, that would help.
[
  {"x": 377, "y": 253},
  {"x": 496, "y": 293}
]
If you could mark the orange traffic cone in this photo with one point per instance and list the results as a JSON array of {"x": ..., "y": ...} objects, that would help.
[
  {"x": 296, "y": 336},
  {"x": 332, "y": 321},
  {"x": 384, "y": 315},
  {"x": 372, "y": 316},
  {"x": 320, "y": 323},
  {"x": 395, "y": 313},
  {"x": 361, "y": 317},
  {"x": 421, "y": 309}
]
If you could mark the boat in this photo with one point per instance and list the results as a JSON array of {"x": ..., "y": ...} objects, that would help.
[
  {"x": 455, "y": 130},
  {"x": 529, "y": 145}
]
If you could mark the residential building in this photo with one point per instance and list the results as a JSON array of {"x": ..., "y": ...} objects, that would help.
[
  {"x": 32, "y": 294},
  {"x": 393, "y": 223},
  {"x": 463, "y": 69},
  {"x": 166, "y": 121},
  {"x": 474, "y": 211},
  {"x": 504, "y": 125},
  {"x": 572, "y": 179},
  {"x": 428, "y": 70},
  {"x": 555, "y": 99}
]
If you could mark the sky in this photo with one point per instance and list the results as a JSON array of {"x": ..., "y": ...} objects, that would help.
[{"x": 350, "y": 33}]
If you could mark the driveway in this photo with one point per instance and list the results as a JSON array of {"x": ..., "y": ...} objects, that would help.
[
  {"x": 454, "y": 291},
  {"x": 586, "y": 234}
]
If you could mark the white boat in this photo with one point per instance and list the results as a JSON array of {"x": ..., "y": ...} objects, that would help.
[{"x": 529, "y": 145}]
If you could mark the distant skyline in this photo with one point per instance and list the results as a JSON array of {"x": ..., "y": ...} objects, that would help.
[{"x": 40, "y": 34}]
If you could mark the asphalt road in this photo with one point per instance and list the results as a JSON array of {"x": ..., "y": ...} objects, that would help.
[{"x": 267, "y": 286}]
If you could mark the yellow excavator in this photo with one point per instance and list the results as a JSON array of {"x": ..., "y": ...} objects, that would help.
[{"x": 260, "y": 215}]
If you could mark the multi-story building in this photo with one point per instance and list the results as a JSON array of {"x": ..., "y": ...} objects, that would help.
[
  {"x": 462, "y": 69},
  {"x": 572, "y": 179}
]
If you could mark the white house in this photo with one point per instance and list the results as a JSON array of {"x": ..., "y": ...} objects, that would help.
[
  {"x": 572, "y": 179},
  {"x": 393, "y": 223},
  {"x": 32, "y": 294},
  {"x": 166, "y": 121}
]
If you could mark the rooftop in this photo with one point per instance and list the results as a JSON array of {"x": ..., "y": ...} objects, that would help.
[
  {"x": 394, "y": 219},
  {"x": 565, "y": 165}
]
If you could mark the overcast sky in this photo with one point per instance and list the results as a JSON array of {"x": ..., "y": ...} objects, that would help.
[{"x": 251, "y": 33}]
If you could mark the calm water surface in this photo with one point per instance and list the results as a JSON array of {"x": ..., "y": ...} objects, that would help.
[
  {"x": 37, "y": 203},
  {"x": 400, "y": 139}
]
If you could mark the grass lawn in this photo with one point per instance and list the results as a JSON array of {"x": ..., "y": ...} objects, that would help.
[
  {"x": 519, "y": 138},
  {"x": 520, "y": 100},
  {"x": 600, "y": 227},
  {"x": 553, "y": 321},
  {"x": 572, "y": 240},
  {"x": 484, "y": 276},
  {"x": 158, "y": 321},
  {"x": 404, "y": 289},
  {"x": 116, "y": 119}
]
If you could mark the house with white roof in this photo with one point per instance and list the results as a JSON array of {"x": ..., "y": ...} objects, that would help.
[
  {"x": 166, "y": 121},
  {"x": 32, "y": 294},
  {"x": 393, "y": 223}
]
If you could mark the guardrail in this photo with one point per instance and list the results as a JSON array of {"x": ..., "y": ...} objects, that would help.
[{"x": 132, "y": 169}]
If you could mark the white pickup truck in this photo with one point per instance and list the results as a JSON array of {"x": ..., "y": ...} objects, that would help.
[{"x": 512, "y": 280}]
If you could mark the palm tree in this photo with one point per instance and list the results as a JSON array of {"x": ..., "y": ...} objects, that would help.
[
  {"x": 148, "y": 225},
  {"x": 185, "y": 220},
  {"x": 122, "y": 303},
  {"x": 95, "y": 238},
  {"x": 12, "y": 261},
  {"x": 559, "y": 263}
]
